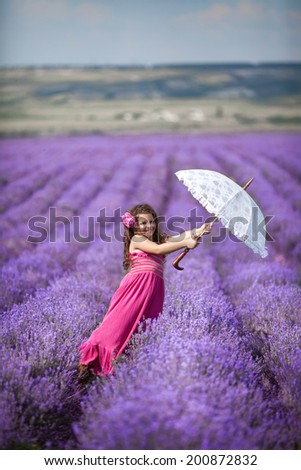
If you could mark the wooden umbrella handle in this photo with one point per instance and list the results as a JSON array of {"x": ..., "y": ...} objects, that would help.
[
  {"x": 184, "y": 253},
  {"x": 179, "y": 258}
]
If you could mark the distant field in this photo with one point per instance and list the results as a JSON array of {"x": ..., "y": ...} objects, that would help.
[{"x": 52, "y": 101}]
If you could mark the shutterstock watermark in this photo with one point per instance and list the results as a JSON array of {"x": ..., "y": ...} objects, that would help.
[{"x": 109, "y": 227}]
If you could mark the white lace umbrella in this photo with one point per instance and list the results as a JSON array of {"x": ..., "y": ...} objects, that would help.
[{"x": 230, "y": 203}]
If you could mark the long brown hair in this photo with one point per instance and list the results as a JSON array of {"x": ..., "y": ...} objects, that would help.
[{"x": 158, "y": 236}]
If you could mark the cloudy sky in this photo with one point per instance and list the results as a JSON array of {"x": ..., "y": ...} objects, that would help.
[{"x": 126, "y": 32}]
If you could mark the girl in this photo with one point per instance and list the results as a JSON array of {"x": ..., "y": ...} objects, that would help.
[{"x": 141, "y": 291}]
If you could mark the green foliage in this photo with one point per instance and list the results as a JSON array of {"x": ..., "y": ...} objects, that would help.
[
  {"x": 243, "y": 119},
  {"x": 281, "y": 120}
]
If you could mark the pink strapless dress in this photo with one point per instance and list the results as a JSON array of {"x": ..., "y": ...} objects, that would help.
[{"x": 140, "y": 295}]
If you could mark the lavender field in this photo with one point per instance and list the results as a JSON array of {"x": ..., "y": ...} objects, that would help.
[{"x": 219, "y": 369}]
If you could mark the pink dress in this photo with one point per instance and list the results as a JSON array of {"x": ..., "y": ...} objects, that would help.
[{"x": 140, "y": 294}]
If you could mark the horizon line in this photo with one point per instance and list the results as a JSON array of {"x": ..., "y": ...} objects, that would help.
[{"x": 154, "y": 65}]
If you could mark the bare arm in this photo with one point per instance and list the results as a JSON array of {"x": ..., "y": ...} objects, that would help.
[
  {"x": 181, "y": 236},
  {"x": 196, "y": 232},
  {"x": 144, "y": 244}
]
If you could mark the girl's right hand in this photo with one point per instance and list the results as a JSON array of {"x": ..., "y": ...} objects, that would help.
[{"x": 192, "y": 243}]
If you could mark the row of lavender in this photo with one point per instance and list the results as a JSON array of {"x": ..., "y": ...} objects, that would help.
[
  {"x": 191, "y": 381},
  {"x": 107, "y": 182},
  {"x": 221, "y": 367},
  {"x": 40, "y": 335}
]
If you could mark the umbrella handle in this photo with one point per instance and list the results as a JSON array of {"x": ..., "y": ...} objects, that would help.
[
  {"x": 179, "y": 258},
  {"x": 184, "y": 253}
]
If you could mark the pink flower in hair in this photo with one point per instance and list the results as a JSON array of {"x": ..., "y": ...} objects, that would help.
[{"x": 128, "y": 220}]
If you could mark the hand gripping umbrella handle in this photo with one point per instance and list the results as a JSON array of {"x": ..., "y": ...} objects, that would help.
[{"x": 184, "y": 253}]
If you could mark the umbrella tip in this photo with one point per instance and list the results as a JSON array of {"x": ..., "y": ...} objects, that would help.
[{"x": 248, "y": 183}]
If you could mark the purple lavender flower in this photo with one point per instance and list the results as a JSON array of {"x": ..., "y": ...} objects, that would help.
[{"x": 219, "y": 369}]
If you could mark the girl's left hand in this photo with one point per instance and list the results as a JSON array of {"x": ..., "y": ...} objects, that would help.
[
  {"x": 207, "y": 228},
  {"x": 203, "y": 230}
]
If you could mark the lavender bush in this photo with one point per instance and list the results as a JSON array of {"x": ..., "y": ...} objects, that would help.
[
  {"x": 219, "y": 369},
  {"x": 191, "y": 382}
]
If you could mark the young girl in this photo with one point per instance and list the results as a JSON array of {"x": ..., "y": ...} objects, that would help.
[{"x": 141, "y": 291}]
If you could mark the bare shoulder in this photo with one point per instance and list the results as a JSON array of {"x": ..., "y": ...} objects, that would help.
[
  {"x": 135, "y": 241},
  {"x": 138, "y": 238},
  {"x": 142, "y": 243}
]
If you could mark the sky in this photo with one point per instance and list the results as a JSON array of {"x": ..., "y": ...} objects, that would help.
[{"x": 148, "y": 32}]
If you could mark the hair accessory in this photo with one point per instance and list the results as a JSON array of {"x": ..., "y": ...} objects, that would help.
[{"x": 128, "y": 219}]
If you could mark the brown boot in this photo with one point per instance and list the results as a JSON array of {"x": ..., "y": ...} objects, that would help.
[
  {"x": 84, "y": 374},
  {"x": 82, "y": 368}
]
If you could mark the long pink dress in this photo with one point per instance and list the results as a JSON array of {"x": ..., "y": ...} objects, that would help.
[{"x": 140, "y": 294}]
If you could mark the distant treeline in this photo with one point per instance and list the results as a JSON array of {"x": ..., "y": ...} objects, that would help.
[{"x": 187, "y": 81}]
